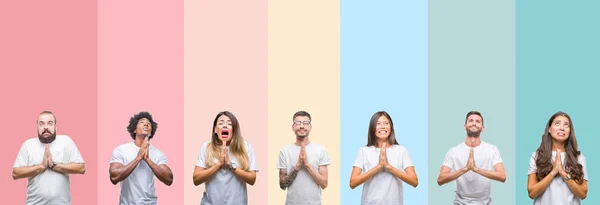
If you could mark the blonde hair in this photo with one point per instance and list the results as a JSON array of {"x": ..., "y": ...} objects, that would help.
[{"x": 236, "y": 146}]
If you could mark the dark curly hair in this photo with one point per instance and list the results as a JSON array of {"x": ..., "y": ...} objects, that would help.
[
  {"x": 543, "y": 160},
  {"x": 133, "y": 121}
]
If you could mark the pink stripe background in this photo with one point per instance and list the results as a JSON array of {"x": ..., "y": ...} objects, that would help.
[
  {"x": 48, "y": 62},
  {"x": 140, "y": 68},
  {"x": 226, "y": 69}
]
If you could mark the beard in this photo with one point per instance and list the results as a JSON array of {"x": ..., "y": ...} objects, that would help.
[
  {"x": 475, "y": 133},
  {"x": 300, "y": 137},
  {"x": 49, "y": 139}
]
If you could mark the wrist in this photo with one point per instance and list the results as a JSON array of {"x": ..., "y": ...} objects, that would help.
[
  {"x": 53, "y": 166},
  {"x": 564, "y": 175},
  {"x": 387, "y": 167}
]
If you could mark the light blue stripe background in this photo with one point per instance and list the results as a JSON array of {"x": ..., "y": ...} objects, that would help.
[{"x": 384, "y": 67}]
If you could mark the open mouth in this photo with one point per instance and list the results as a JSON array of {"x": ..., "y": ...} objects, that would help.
[
  {"x": 560, "y": 134},
  {"x": 225, "y": 133},
  {"x": 382, "y": 132}
]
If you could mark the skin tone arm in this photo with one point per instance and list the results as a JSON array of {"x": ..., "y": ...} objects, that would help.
[
  {"x": 499, "y": 174},
  {"x": 202, "y": 175},
  {"x": 409, "y": 176},
  {"x": 162, "y": 172},
  {"x": 535, "y": 187},
  {"x": 70, "y": 168},
  {"x": 119, "y": 172},
  {"x": 319, "y": 177},
  {"x": 286, "y": 179},
  {"x": 446, "y": 174},
  {"x": 31, "y": 171}
]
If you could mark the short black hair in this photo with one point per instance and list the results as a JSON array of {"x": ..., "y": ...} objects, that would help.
[
  {"x": 301, "y": 113},
  {"x": 133, "y": 121},
  {"x": 473, "y": 113}
]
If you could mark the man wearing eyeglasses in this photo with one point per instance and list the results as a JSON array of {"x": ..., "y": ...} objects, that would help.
[{"x": 303, "y": 165}]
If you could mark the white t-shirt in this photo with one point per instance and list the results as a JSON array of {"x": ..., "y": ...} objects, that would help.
[
  {"x": 383, "y": 188},
  {"x": 48, "y": 187},
  {"x": 225, "y": 188},
  {"x": 138, "y": 187},
  {"x": 472, "y": 188},
  {"x": 557, "y": 192},
  {"x": 303, "y": 190}
]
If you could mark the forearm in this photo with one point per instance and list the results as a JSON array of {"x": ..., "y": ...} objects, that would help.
[
  {"x": 26, "y": 172},
  {"x": 579, "y": 190},
  {"x": 286, "y": 179},
  {"x": 121, "y": 173},
  {"x": 71, "y": 168},
  {"x": 318, "y": 178},
  {"x": 247, "y": 176},
  {"x": 202, "y": 175},
  {"x": 537, "y": 188},
  {"x": 162, "y": 173},
  {"x": 493, "y": 175},
  {"x": 361, "y": 178},
  {"x": 410, "y": 179},
  {"x": 451, "y": 176}
]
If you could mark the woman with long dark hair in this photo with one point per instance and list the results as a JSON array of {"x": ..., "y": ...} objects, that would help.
[
  {"x": 226, "y": 164},
  {"x": 382, "y": 165},
  {"x": 557, "y": 170}
]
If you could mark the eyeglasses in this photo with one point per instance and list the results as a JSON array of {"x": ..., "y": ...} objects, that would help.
[{"x": 298, "y": 123}]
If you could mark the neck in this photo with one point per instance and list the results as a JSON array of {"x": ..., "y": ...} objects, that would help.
[
  {"x": 473, "y": 141},
  {"x": 381, "y": 141},
  {"x": 304, "y": 140},
  {"x": 139, "y": 140},
  {"x": 558, "y": 145}
]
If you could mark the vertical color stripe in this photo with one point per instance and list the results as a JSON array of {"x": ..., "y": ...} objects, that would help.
[
  {"x": 471, "y": 67},
  {"x": 48, "y": 62},
  {"x": 384, "y": 67},
  {"x": 140, "y": 68},
  {"x": 226, "y": 69},
  {"x": 304, "y": 75},
  {"x": 557, "y": 70}
]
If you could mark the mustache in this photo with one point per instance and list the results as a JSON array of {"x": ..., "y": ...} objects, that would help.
[{"x": 46, "y": 131}]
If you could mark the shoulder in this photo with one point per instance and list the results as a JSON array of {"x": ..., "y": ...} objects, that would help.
[
  {"x": 488, "y": 145},
  {"x": 317, "y": 146},
  {"x": 31, "y": 141},
  {"x": 155, "y": 149},
  {"x": 581, "y": 158},
  {"x": 123, "y": 147},
  {"x": 365, "y": 148},
  {"x": 247, "y": 145},
  {"x": 205, "y": 144},
  {"x": 287, "y": 148},
  {"x": 457, "y": 147},
  {"x": 400, "y": 149},
  {"x": 63, "y": 137}
]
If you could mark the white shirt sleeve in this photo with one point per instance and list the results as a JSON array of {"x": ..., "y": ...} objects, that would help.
[
  {"x": 496, "y": 157},
  {"x": 583, "y": 162},
  {"x": 117, "y": 156},
  {"x": 532, "y": 166},
  {"x": 360, "y": 159},
  {"x": 22, "y": 157},
  {"x": 325, "y": 159},
  {"x": 251, "y": 158},
  {"x": 448, "y": 160},
  {"x": 74, "y": 154},
  {"x": 161, "y": 158},
  {"x": 201, "y": 161},
  {"x": 406, "y": 161},
  {"x": 281, "y": 163}
]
